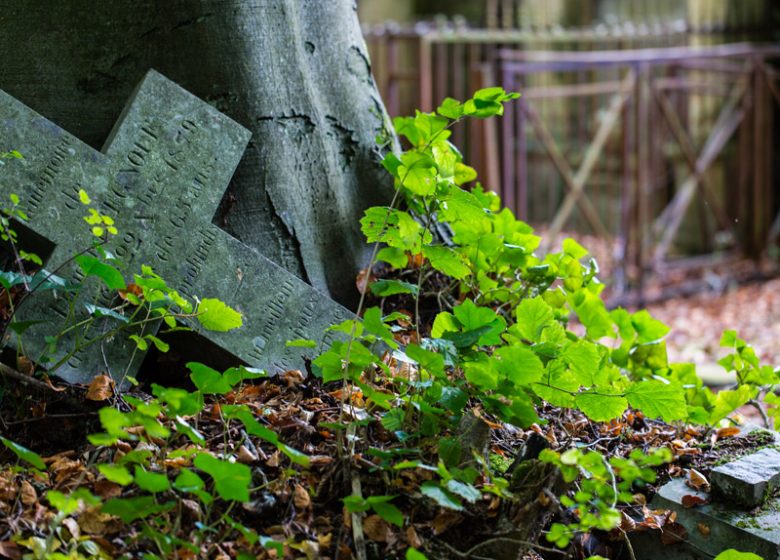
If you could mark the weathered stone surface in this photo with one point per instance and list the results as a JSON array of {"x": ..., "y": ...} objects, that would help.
[
  {"x": 161, "y": 174},
  {"x": 294, "y": 72},
  {"x": 711, "y": 528},
  {"x": 749, "y": 480}
]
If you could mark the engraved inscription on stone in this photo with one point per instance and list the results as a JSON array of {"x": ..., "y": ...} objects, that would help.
[{"x": 161, "y": 175}]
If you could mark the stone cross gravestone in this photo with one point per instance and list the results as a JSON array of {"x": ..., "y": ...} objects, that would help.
[
  {"x": 161, "y": 175},
  {"x": 740, "y": 512}
]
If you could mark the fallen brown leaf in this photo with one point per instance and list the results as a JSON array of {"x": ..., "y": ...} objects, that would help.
[
  {"x": 301, "y": 497},
  {"x": 10, "y": 550},
  {"x": 100, "y": 388},
  {"x": 697, "y": 480},
  {"x": 27, "y": 493},
  {"x": 377, "y": 529},
  {"x": 691, "y": 500},
  {"x": 726, "y": 432}
]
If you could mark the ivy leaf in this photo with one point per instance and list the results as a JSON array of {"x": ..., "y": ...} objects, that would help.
[
  {"x": 207, "y": 380},
  {"x": 648, "y": 328},
  {"x": 116, "y": 473},
  {"x": 385, "y": 288},
  {"x": 733, "y": 554},
  {"x": 658, "y": 400},
  {"x": 728, "y": 401},
  {"x": 519, "y": 365},
  {"x": 98, "y": 311},
  {"x": 393, "y": 256},
  {"x": 150, "y": 481},
  {"x": 557, "y": 385},
  {"x": 110, "y": 276},
  {"x": 600, "y": 407},
  {"x": 481, "y": 375},
  {"x": 24, "y": 454},
  {"x": 231, "y": 480},
  {"x": 216, "y": 315},
  {"x": 418, "y": 173},
  {"x": 533, "y": 316},
  {"x": 466, "y": 491},
  {"x": 441, "y": 496},
  {"x": 387, "y": 511},
  {"x": 431, "y": 361},
  {"x": 130, "y": 509},
  {"x": 583, "y": 359},
  {"x": 373, "y": 323},
  {"x": 450, "y": 108},
  {"x": 448, "y": 261}
]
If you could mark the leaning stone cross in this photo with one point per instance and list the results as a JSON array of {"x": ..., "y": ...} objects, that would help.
[{"x": 161, "y": 175}]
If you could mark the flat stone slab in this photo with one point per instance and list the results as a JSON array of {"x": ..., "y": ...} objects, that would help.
[
  {"x": 712, "y": 528},
  {"x": 161, "y": 176},
  {"x": 748, "y": 481}
]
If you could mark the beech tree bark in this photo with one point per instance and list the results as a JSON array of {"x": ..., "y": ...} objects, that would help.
[{"x": 295, "y": 72}]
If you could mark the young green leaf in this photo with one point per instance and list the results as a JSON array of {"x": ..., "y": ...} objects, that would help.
[
  {"x": 231, "y": 480},
  {"x": 24, "y": 454},
  {"x": 215, "y": 315}
]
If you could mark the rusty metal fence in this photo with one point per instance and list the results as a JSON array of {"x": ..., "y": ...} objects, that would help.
[
  {"x": 674, "y": 158},
  {"x": 663, "y": 148}
]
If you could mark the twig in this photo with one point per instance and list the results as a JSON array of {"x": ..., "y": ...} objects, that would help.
[
  {"x": 628, "y": 545},
  {"x": 470, "y": 552},
  {"x": 11, "y": 373},
  {"x": 357, "y": 521},
  {"x": 757, "y": 405}
]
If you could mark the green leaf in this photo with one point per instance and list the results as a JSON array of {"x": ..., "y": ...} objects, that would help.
[
  {"x": 207, "y": 380},
  {"x": 393, "y": 256},
  {"x": 519, "y": 365},
  {"x": 557, "y": 384},
  {"x": 482, "y": 375},
  {"x": 446, "y": 260},
  {"x": 373, "y": 323},
  {"x": 110, "y": 276},
  {"x": 466, "y": 491},
  {"x": 386, "y": 510},
  {"x": 116, "y": 473},
  {"x": 574, "y": 249},
  {"x": 648, "y": 329},
  {"x": 533, "y": 316},
  {"x": 150, "y": 481},
  {"x": 728, "y": 401},
  {"x": 393, "y": 419},
  {"x": 658, "y": 400},
  {"x": 24, "y": 454},
  {"x": 443, "y": 323},
  {"x": 418, "y": 173},
  {"x": 385, "y": 288},
  {"x": 130, "y": 509},
  {"x": 431, "y": 361},
  {"x": 236, "y": 375},
  {"x": 69, "y": 503},
  {"x": 600, "y": 407},
  {"x": 583, "y": 359},
  {"x": 301, "y": 343},
  {"x": 733, "y": 554},
  {"x": 450, "y": 108},
  {"x": 414, "y": 554},
  {"x": 441, "y": 496},
  {"x": 188, "y": 481},
  {"x": 231, "y": 480},
  {"x": 97, "y": 311},
  {"x": 216, "y": 315}
]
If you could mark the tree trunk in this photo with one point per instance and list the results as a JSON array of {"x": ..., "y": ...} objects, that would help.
[{"x": 294, "y": 72}]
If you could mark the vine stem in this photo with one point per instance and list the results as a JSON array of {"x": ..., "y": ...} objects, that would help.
[{"x": 346, "y": 393}]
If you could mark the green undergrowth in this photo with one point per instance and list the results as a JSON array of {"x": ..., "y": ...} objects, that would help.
[{"x": 462, "y": 319}]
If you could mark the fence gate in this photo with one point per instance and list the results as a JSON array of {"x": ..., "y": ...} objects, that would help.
[{"x": 666, "y": 151}]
